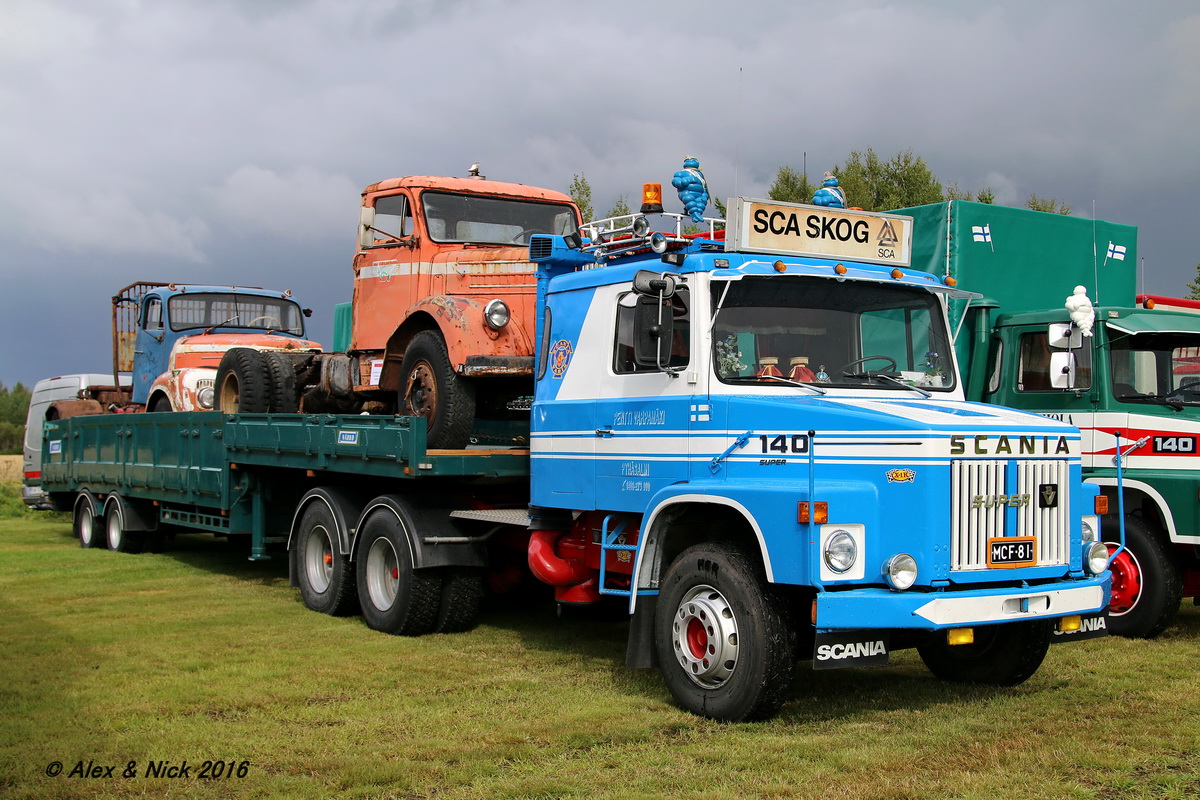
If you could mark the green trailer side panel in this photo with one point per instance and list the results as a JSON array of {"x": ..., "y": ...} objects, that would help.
[{"x": 342, "y": 321}]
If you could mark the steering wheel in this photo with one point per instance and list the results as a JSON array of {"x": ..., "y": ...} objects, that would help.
[
  {"x": 865, "y": 359},
  {"x": 524, "y": 234},
  {"x": 267, "y": 319}
]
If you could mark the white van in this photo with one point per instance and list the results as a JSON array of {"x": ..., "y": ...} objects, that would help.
[{"x": 46, "y": 393}]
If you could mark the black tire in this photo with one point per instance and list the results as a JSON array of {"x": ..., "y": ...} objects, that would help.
[
  {"x": 462, "y": 600},
  {"x": 430, "y": 388},
  {"x": 725, "y": 643},
  {"x": 86, "y": 524},
  {"x": 1147, "y": 585},
  {"x": 1001, "y": 655},
  {"x": 395, "y": 598},
  {"x": 242, "y": 383},
  {"x": 116, "y": 537},
  {"x": 284, "y": 398},
  {"x": 324, "y": 573},
  {"x": 160, "y": 404}
]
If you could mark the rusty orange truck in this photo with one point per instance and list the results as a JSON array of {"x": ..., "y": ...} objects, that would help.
[{"x": 443, "y": 302}]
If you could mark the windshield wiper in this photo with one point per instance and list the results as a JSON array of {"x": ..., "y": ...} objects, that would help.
[
  {"x": 902, "y": 384},
  {"x": 788, "y": 381},
  {"x": 1173, "y": 403}
]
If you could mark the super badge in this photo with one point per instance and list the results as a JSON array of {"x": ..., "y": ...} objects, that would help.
[{"x": 560, "y": 357}]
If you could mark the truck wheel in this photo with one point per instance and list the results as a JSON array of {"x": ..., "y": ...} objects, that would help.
[
  {"x": 117, "y": 538},
  {"x": 242, "y": 382},
  {"x": 462, "y": 600},
  {"x": 160, "y": 403},
  {"x": 395, "y": 598},
  {"x": 1001, "y": 655},
  {"x": 86, "y": 523},
  {"x": 430, "y": 388},
  {"x": 725, "y": 644},
  {"x": 325, "y": 574},
  {"x": 1147, "y": 586},
  {"x": 284, "y": 398}
]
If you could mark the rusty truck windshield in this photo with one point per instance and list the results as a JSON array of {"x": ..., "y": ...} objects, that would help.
[
  {"x": 825, "y": 333},
  {"x": 473, "y": 219},
  {"x": 232, "y": 310}
]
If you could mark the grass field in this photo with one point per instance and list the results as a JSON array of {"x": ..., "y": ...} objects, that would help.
[{"x": 199, "y": 654}]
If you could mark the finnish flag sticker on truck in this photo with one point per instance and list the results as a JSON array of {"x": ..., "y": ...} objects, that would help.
[{"x": 347, "y": 437}]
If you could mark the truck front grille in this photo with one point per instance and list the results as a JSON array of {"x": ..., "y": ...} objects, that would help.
[{"x": 998, "y": 498}]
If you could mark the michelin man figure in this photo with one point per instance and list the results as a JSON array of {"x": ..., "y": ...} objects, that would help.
[
  {"x": 830, "y": 194},
  {"x": 693, "y": 188},
  {"x": 1080, "y": 308}
]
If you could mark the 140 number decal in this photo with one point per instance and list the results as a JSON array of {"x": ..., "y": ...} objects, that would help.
[
  {"x": 784, "y": 442},
  {"x": 1174, "y": 444}
]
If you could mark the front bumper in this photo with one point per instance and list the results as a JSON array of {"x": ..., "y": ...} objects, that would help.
[{"x": 871, "y": 608}]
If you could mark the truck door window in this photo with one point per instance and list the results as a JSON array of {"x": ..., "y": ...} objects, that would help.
[
  {"x": 680, "y": 309},
  {"x": 1033, "y": 364},
  {"x": 153, "y": 320},
  {"x": 393, "y": 219}
]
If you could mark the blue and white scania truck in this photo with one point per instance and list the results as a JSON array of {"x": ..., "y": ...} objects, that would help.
[{"x": 754, "y": 438}]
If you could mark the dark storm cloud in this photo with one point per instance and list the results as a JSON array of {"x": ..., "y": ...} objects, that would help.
[{"x": 227, "y": 142}]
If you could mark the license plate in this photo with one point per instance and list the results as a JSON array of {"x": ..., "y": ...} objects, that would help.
[{"x": 1012, "y": 551}]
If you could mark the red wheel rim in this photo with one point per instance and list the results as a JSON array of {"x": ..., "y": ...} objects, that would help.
[
  {"x": 697, "y": 638},
  {"x": 1126, "y": 581}
]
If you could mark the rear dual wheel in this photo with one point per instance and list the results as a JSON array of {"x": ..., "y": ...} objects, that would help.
[
  {"x": 86, "y": 522},
  {"x": 255, "y": 382},
  {"x": 400, "y": 599},
  {"x": 325, "y": 574}
]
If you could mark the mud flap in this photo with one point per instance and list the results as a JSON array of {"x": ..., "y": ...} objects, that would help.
[
  {"x": 866, "y": 648},
  {"x": 1093, "y": 626}
]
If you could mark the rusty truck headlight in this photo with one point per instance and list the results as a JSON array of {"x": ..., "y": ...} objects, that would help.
[
  {"x": 900, "y": 571},
  {"x": 204, "y": 396},
  {"x": 495, "y": 314}
]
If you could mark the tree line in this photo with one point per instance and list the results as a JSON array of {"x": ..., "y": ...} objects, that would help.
[
  {"x": 870, "y": 182},
  {"x": 14, "y": 406}
]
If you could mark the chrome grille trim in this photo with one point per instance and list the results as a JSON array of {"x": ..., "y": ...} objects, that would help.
[{"x": 972, "y": 527}]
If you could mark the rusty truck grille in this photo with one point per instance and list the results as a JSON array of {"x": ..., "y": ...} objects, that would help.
[{"x": 998, "y": 498}]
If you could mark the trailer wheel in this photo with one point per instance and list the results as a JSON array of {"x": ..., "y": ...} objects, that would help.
[
  {"x": 1147, "y": 586},
  {"x": 86, "y": 523},
  {"x": 117, "y": 538},
  {"x": 242, "y": 379},
  {"x": 462, "y": 600},
  {"x": 430, "y": 388},
  {"x": 1001, "y": 655},
  {"x": 325, "y": 574},
  {"x": 395, "y": 597},
  {"x": 725, "y": 644},
  {"x": 281, "y": 371}
]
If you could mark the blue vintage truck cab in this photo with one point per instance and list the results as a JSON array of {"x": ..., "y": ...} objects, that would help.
[{"x": 761, "y": 440}]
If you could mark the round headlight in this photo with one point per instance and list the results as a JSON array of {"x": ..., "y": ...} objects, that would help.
[
  {"x": 840, "y": 551},
  {"x": 900, "y": 571},
  {"x": 1097, "y": 557},
  {"x": 204, "y": 396},
  {"x": 1090, "y": 532},
  {"x": 495, "y": 314}
]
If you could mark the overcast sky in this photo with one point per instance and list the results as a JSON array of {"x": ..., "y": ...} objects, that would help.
[{"x": 227, "y": 141}]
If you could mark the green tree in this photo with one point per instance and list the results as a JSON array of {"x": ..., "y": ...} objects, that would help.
[
  {"x": 985, "y": 195},
  {"x": 620, "y": 208},
  {"x": 873, "y": 184},
  {"x": 581, "y": 193},
  {"x": 1194, "y": 288},
  {"x": 1047, "y": 204},
  {"x": 14, "y": 407},
  {"x": 791, "y": 186}
]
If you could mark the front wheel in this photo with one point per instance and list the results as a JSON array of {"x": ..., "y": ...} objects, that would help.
[
  {"x": 725, "y": 644},
  {"x": 1146, "y": 586},
  {"x": 1001, "y": 655},
  {"x": 430, "y": 388}
]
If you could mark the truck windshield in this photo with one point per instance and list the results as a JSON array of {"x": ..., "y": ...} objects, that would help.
[
  {"x": 473, "y": 219},
  {"x": 232, "y": 310},
  {"x": 826, "y": 333},
  {"x": 1155, "y": 367}
]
